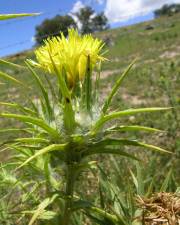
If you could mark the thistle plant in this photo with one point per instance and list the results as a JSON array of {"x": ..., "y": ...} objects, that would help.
[{"x": 67, "y": 125}]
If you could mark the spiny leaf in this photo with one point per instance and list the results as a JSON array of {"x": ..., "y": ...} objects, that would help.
[
  {"x": 10, "y": 64},
  {"x": 10, "y": 78},
  {"x": 68, "y": 114},
  {"x": 82, "y": 166},
  {"x": 31, "y": 140},
  {"x": 43, "y": 90},
  {"x": 115, "y": 115},
  {"x": 20, "y": 107},
  {"x": 132, "y": 128},
  {"x": 88, "y": 86},
  {"x": 62, "y": 84},
  {"x": 104, "y": 214},
  {"x": 12, "y": 130},
  {"x": 124, "y": 142},
  {"x": 50, "y": 148},
  {"x": 35, "y": 121},
  {"x": 13, "y": 16},
  {"x": 115, "y": 88},
  {"x": 95, "y": 151}
]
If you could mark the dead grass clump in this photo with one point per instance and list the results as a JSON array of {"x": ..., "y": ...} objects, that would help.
[{"x": 162, "y": 208}]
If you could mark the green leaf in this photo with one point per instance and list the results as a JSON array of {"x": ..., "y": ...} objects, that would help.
[
  {"x": 104, "y": 214},
  {"x": 10, "y": 64},
  {"x": 40, "y": 209},
  {"x": 31, "y": 140},
  {"x": 124, "y": 142},
  {"x": 68, "y": 113},
  {"x": 43, "y": 90},
  {"x": 88, "y": 86},
  {"x": 48, "y": 149},
  {"x": 51, "y": 88},
  {"x": 132, "y": 128},
  {"x": 81, "y": 204},
  {"x": 12, "y": 130},
  {"x": 13, "y": 16},
  {"x": 103, "y": 148},
  {"x": 10, "y": 78},
  {"x": 83, "y": 166},
  {"x": 115, "y": 115},
  {"x": 61, "y": 79},
  {"x": 114, "y": 152},
  {"x": 35, "y": 121},
  {"x": 20, "y": 107},
  {"x": 48, "y": 215},
  {"x": 88, "y": 206},
  {"x": 115, "y": 88}
]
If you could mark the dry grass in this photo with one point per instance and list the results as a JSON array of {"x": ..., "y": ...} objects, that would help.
[{"x": 162, "y": 208}]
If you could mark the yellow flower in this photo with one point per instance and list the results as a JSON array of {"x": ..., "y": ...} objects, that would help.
[{"x": 70, "y": 54}]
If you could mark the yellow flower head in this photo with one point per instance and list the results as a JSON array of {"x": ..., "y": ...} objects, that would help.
[{"x": 70, "y": 54}]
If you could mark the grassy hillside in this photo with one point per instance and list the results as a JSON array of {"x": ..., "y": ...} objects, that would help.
[{"x": 154, "y": 81}]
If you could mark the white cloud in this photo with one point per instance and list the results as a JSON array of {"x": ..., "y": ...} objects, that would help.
[
  {"x": 75, "y": 9},
  {"x": 77, "y": 6},
  {"x": 121, "y": 10},
  {"x": 33, "y": 39}
]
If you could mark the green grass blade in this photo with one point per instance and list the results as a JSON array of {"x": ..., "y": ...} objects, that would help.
[
  {"x": 48, "y": 149},
  {"x": 166, "y": 181},
  {"x": 116, "y": 87},
  {"x": 140, "y": 179},
  {"x": 13, "y": 16},
  {"x": 135, "y": 181}
]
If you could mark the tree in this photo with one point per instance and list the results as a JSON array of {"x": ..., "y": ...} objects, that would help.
[
  {"x": 90, "y": 21},
  {"x": 53, "y": 27},
  {"x": 100, "y": 22},
  {"x": 167, "y": 10}
]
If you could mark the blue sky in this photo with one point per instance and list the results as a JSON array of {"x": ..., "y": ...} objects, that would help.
[{"x": 17, "y": 35}]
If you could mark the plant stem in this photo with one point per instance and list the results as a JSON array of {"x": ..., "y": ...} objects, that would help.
[{"x": 69, "y": 195}]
